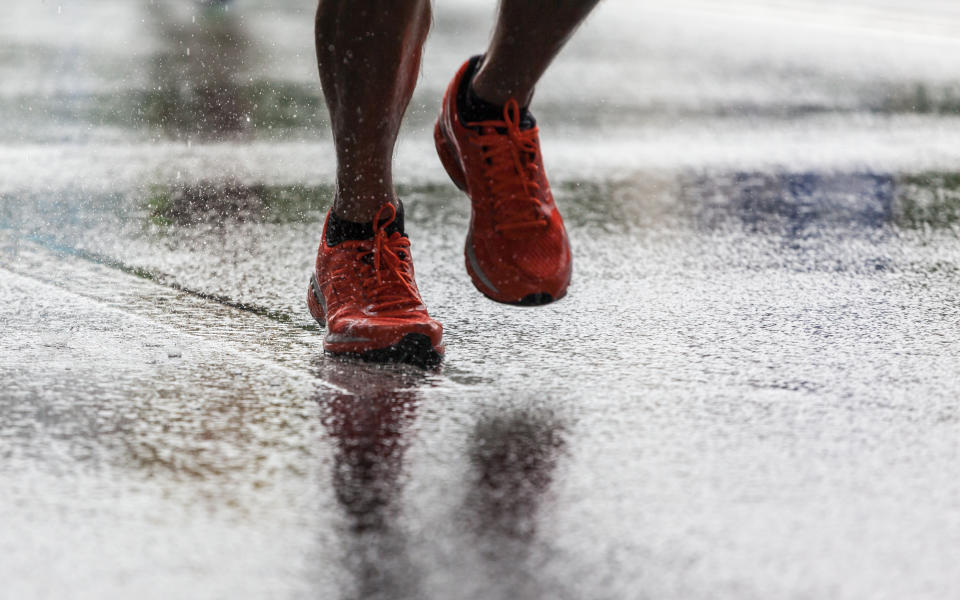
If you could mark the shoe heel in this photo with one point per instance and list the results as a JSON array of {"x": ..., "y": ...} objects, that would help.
[
  {"x": 313, "y": 303},
  {"x": 449, "y": 160}
]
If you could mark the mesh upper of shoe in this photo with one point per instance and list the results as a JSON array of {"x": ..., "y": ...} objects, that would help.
[
  {"x": 380, "y": 272},
  {"x": 512, "y": 172}
]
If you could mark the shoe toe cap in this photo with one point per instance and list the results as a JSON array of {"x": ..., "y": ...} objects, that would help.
[
  {"x": 390, "y": 330},
  {"x": 534, "y": 271}
]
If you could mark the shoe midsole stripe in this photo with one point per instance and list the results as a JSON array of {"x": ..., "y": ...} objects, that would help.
[
  {"x": 476, "y": 267},
  {"x": 316, "y": 293}
]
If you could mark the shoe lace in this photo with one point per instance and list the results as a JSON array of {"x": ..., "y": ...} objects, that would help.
[
  {"x": 512, "y": 170},
  {"x": 386, "y": 276}
]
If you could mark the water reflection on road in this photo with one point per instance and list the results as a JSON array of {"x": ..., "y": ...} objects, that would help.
[
  {"x": 512, "y": 455},
  {"x": 372, "y": 430}
]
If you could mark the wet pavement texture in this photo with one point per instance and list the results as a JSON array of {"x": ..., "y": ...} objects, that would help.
[{"x": 749, "y": 392}]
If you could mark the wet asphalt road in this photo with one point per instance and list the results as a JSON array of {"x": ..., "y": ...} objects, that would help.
[{"x": 750, "y": 391}]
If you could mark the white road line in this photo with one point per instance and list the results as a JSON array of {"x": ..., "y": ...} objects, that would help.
[{"x": 137, "y": 298}]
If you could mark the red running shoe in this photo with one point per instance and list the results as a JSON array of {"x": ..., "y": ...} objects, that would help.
[
  {"x": 517, "y": 249},
  {"x": 366, "y": 295}
]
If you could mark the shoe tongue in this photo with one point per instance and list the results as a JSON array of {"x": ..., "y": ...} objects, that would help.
[
  {"x": 527, "y": 122},
  {"x": 397, "y": 225}
]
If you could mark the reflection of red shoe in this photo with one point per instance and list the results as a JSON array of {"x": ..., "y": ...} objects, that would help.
[
  {"x": 365, "y": 293},
  {"x": 517, "y": 249}
]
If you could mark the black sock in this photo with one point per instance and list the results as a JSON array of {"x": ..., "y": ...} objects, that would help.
[
  {"x": 340, "y": 230},
  {"x": 472, "y": 108}
]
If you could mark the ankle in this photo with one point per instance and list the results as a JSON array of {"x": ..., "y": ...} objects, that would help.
[
  {"x": 490, "y": 87},
  {"x": 339, "y": 229},
  {"x": 361, "y": 206},
  {"x": 473, "y": 107}
]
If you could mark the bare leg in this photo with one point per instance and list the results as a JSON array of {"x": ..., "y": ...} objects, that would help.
[
  {"x": 527, "y": 38},
  {"x": 368, "y": 52}
]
